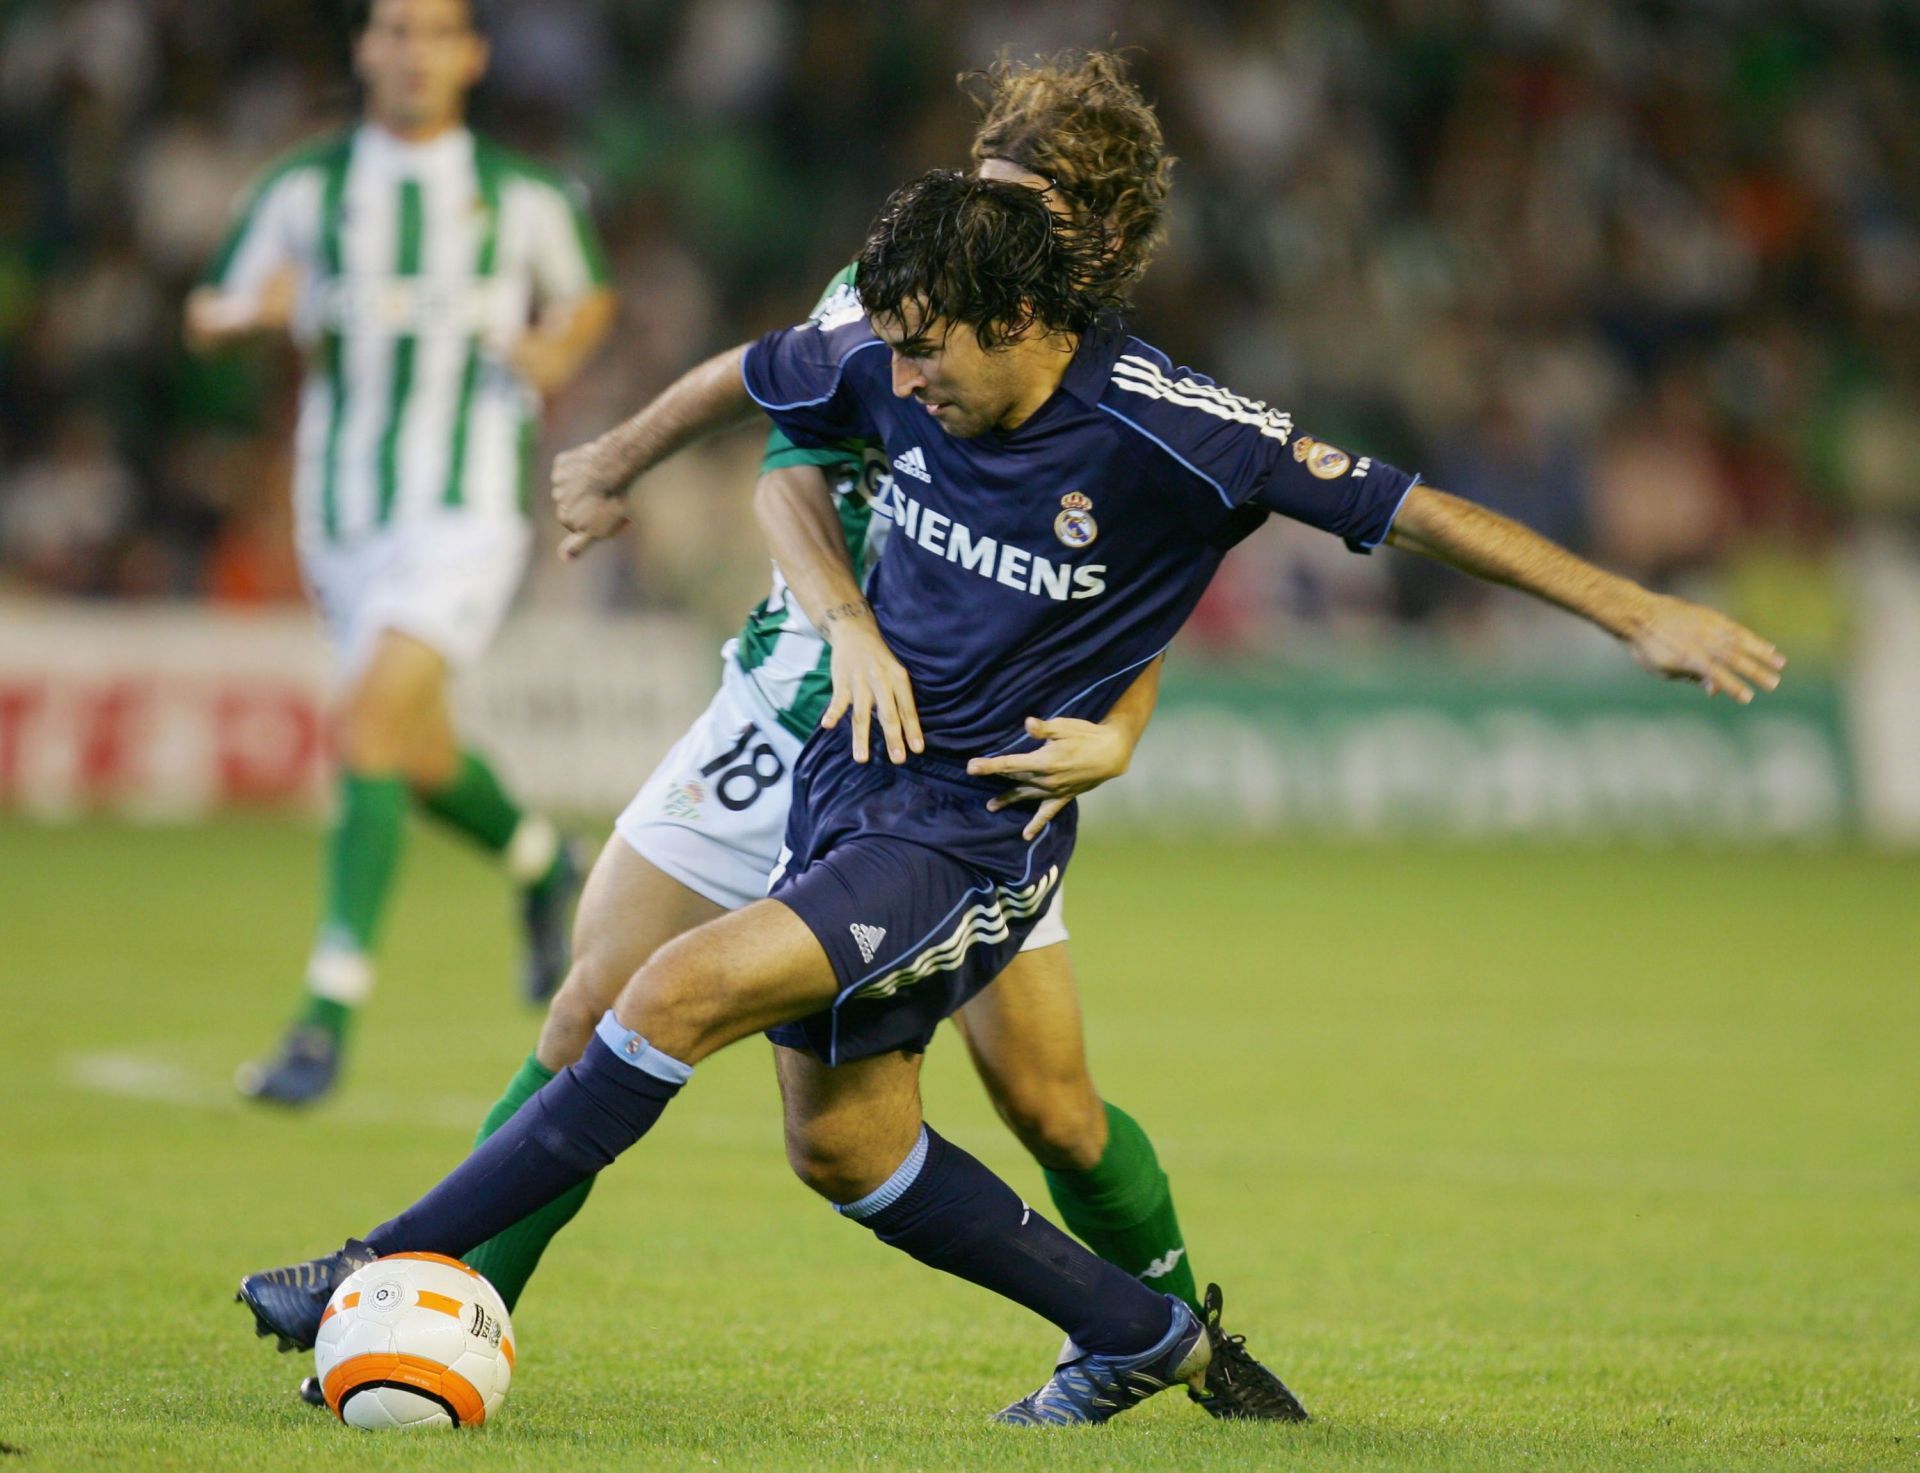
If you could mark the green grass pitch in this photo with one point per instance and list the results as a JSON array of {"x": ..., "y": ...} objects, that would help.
[{"x": 1523, "y": 1158}]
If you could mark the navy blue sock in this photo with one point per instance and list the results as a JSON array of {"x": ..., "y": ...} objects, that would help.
[
  {"x": 953, "y": 1214},
  {"x": 578, "y": 1122}
]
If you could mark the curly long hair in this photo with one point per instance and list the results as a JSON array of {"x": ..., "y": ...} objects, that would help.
[
  {"x": 991, "y": 255},
  {"x": 1077, "y": 118}
]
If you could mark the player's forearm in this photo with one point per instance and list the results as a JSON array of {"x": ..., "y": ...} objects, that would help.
[
  {"x": 1134, "y": 709},
  {"x": 215, "y": 320},
  {"x": 794, "y": 506},
  {"x": 551, "y": 355},
  {"x": 699, "y": 402},
  {"x": 1487, "y": 545}
]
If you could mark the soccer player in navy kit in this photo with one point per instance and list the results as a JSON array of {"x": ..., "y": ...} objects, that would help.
[{"x": 1078, "y": 493}]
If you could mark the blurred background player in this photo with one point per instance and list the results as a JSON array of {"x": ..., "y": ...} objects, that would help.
[
  {"x": 438, "y": 286},
  {"x": 705, "y": 830}
]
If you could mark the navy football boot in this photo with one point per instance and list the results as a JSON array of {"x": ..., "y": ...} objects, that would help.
[
  {"x": 1238, "y": 1387},
  {"x": 302, "y": 1072},
  {"x": 288, "y": 1302},
  {"x": 1086, "y": 1387},
  {"x": 311, "y": 1393},
  {"x": 546, "y": 915}
]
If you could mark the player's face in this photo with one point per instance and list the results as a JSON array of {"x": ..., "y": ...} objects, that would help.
[
  {"x": 940, "y": 365},
  {"x": 419, "y": 59}
]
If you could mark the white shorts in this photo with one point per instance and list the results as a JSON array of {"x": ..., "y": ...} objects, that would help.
[
  {"x": 447, "y": 581},
  {"x": 714, "y": 813}
]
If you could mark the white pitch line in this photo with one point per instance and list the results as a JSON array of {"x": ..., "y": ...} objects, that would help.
[{"x": 139, "y": 1076}]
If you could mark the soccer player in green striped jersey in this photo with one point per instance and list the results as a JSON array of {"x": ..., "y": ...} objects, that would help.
[{"x": 437, "y": 285}]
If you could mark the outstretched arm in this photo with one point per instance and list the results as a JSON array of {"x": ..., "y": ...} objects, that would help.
[
  {"x": 1669, "y": 636},
  {"x": 795, "y": 509},
  {"x": 590, "y": 481}
]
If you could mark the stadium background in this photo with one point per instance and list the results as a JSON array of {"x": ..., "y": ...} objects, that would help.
[
  {"x": 1531, "y": 1154},
  {"x": 1644, "y": 276}
]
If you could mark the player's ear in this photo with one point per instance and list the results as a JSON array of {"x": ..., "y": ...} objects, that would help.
[
  {"x": 1018, "y": 328},
  {"x": 480, "y": 56}
]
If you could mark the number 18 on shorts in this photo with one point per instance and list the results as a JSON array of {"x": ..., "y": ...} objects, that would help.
[{"x": 714, "y": 812}]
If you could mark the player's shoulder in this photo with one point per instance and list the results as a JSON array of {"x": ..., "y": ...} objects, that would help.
[
  {"x": 1145, "y": 383},
  {"x": 806, "y": 363},
  {"x": 490, "y": 156},
  {"x": 835, "y": 340},
  {"x": 839, "y": 302},
  {"x": 1184, "y": 411}
]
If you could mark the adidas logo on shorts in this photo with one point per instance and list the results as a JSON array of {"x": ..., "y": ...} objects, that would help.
[
  {"x": 868, "y": 938},
  {"x": 913, "y": 463}
]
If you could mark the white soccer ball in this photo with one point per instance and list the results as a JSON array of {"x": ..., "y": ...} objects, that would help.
[{"x": 414, "y": 1340}]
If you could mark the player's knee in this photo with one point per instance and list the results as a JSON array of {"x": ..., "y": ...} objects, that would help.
[
  {"x": 1061, "y": 1122},
  {"x": 682, "y": 1000},
  {"x": 430, "y": 765},
  {"x": 576, "y": 1009},
  {"x": 834, "y": 1162},
  {"x": 371, "y": 740}
]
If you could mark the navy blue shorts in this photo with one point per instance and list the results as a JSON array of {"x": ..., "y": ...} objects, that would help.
[{"x": 919, "y": 895}]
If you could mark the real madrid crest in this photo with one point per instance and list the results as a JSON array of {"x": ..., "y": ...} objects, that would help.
[
  {"x": 1075, "y": 525},
  {"x": 1321, "y": 459}
]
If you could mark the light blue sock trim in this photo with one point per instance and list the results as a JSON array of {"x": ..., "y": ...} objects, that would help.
[
  {"x": 893, "y": 1188},
  {"x": 630, "y": 1048}
]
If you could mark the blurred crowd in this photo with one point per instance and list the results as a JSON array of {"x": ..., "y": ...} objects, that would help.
[{"x": 1646, "y": 276}]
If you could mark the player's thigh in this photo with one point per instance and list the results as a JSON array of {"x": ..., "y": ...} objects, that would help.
[
  {"x": 628, "y": 910},
  {"x": 1025, "y": 1035},
  {"x": 396, "y": 703},
  {"x": 742, "y": 974},
  {"x": 848, "y": 1128},
  {"x": 1027, "y": 1021}
]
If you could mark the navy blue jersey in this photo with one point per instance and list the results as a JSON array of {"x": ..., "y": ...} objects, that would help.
[{"x": 1030, "y": 573}]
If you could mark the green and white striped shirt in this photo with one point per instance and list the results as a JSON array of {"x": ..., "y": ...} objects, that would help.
[
  {"x": 420, "y": 266},
  {"x": 778, "y": 648}
]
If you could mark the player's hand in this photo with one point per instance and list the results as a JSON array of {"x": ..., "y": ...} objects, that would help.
[
  {"x": 589, "y": 494},
  {"x": 1688, "y": 641},
  {"x": 279, "y": 300},
  {"x": 1074, "y": 757},
  {"x": 870, "y": 683},
  {"x": 215, "y": 319}
]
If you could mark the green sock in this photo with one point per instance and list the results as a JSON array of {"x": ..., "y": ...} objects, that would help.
[
  {"x": 509, "y": 1258},
  {"x": 362, "y": 853},
  {"x": 1122, "y": 1208},
  {"x": 324, "y": 1012},
  {"x": 476, "y": 804}
]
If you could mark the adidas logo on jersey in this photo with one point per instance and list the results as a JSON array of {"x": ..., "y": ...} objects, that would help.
[
  {"x": 868, "y": 939},
  {"x": 913, "y": 463}
]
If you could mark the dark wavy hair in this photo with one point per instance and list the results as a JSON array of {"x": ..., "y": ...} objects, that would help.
[
  {"x": 1077, "y": 119},
  {"x": 991, "y": 255}
]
